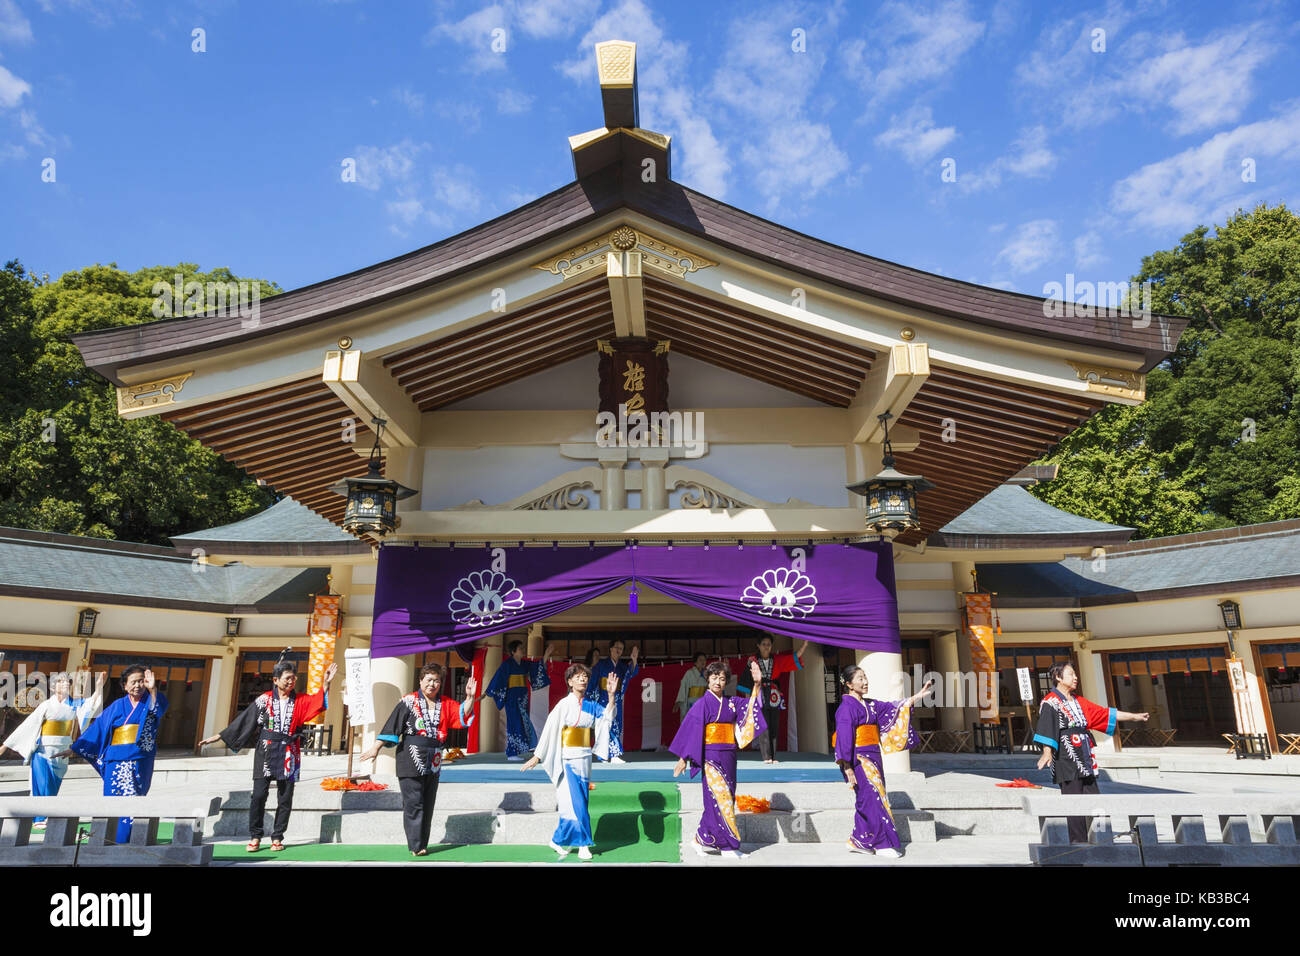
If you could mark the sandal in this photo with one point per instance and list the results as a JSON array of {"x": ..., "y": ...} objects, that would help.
[
  {"x": 419, "y": 853},
  {"x": 253, "y": 846},
  {"x": 276, "y": 846}
]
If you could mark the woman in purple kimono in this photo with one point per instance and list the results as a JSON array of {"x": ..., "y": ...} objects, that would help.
[
  {"x": 865, "y": 729},
  {"x": 712, "y": 732}
]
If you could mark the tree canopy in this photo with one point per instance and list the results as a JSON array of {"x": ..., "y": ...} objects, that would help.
[
  {"x": 68, "y": 462},
  {"x": 1217, "y": 442}
]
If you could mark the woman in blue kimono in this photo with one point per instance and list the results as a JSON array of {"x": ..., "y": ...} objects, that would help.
[
  {"x": 576, "y": 729},
  {"x": 510, "y": 689},
  {"x": 122, "y": 743},
  {"x": 607, "y": 670}
]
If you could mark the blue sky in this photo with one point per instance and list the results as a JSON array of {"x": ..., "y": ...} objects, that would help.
[{"x": 1067, "y": 159}]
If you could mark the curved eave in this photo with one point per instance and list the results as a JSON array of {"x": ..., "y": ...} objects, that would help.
[
  {"x": 995, "y": 542},
  {"x": 110, "y": 350}
]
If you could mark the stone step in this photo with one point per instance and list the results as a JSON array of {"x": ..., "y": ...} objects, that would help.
[{"x": 817, "y": 826}]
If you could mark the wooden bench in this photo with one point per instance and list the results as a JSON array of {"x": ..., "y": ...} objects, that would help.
[
  {"x": 62, "y": 845},
  {"x": 1167, "y": 829}
]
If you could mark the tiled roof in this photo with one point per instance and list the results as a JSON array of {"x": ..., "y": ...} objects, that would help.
[
  {"x": 68, "y": 567},
  {"x": 285, "y": 521},
  {"x": 1258, "y": 556},
  {"x": 1010, "y": 510}
]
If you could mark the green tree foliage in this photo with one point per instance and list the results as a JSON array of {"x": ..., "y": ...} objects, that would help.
[
  {"x": 1217, "y": 442},
  {"x": 68, "y": 462}
]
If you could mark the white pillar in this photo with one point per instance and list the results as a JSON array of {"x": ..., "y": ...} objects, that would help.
[
  {"x": 810, "y": 703},
  {"x": 1092, "y": 685},
  {"x": 961, "y": 580},
  {"x": 947, "y": 661},
  {"x": 390, "y": 679},
  {"x": 885, "y": 682}
]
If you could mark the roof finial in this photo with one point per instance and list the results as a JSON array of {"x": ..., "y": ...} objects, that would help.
[{"x": 616, "y": 67}]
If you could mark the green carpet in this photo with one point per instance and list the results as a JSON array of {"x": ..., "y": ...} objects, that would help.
[{"x": 632, "y": 823}]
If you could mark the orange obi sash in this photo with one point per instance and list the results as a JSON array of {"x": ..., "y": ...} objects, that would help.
[
  {"x": 576, "y": 737},
  {"x": 126, "y": 734},
  {"x": 719, "y": 733},
  {"x": 518, "y": 680},
  {"x": 866, "y": 735}
]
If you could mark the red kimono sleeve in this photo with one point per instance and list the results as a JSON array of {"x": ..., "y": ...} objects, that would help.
[
  {"x": 785, "y": 663},
  {"x": 1098, "y": 717},
  {"x": 451, "y": 716},
  {"x": 307, "y": 706}
]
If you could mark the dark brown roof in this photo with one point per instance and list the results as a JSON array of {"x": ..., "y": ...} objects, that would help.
[{"x": 111, "y": 350}]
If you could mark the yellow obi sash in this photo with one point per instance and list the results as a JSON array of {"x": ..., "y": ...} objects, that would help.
[
  {"x": 125, "y": 734},
  {"x": 866, "y": 735},
  {"x": 719, "y": 733},
  {"x": 576, "y": 737},
  {"x": 604, "y": 682},
  {"x": 56, "y": 728},
  {"x": 694, "y": 692},
  {"x": 518, "y": 680}
]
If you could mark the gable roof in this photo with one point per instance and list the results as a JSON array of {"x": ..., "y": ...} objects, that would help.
[
  {"x": 285, "y": 528},
  {"x": 581, "y": 202},
  {"x": 1009, "y": 516}
]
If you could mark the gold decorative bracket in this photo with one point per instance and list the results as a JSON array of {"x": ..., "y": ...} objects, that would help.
[
  {"x": 1121, "y": 383},
  {"x": 133, "y": 398},
  {"x": 589, "y": 258}
]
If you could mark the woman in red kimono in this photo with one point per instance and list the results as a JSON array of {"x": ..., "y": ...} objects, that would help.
[
  {"x": 273, "y": 721},
  {"x": 1064, "y": 724}
]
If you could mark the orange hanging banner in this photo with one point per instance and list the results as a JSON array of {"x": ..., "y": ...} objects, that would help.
[
  {"x": 323, "y": 628},
  {"x": 979, "y": 631}
]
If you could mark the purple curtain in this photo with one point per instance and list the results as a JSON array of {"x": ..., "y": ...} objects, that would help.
[{"x": 435, "y": 598}]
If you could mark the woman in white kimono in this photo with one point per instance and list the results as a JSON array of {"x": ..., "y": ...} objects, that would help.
[
  {"x": 49, "y": 730},
  {"x": 575, "y": 729}
]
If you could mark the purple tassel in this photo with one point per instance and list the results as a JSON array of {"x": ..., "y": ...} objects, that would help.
[{"x": 631, "y": 600}]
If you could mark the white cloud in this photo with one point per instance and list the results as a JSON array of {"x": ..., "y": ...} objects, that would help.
[
  {"x": 1089, "y": 250},
  {"x": 412, "y": 100},
  {"x": 1034, "y": 243},
  {"x": 378, "y": 166},
  {"x": 513, "y": 101},
  {"x": 915, "y": 135},
  {"x": 1199, "y": 84},
  {"x": 100, "y": 12},
  {"x": 1203, "y": 184},
  {"x": 535, "y": 19},
  {"x": 767, "y": 90},
  {"x": 1029, "y": 158},
  {"x": 910, "y": 45},
  {"x": 14, "y": 27},
  {"x": 12, "y": 89},
  {"x": 668, "y": 103}
]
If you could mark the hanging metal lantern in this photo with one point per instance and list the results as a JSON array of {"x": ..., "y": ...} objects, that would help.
[
  {"x": 891, "y": 495},
  {"x": 372, "y": 499}
]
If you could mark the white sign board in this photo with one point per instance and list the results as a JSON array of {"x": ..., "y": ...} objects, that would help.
[
  {"x": 1026, "y": 684},
  {"x": 356, "y": 687}
]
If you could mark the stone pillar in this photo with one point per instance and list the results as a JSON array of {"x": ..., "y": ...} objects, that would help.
[
  {"x": 885, "y": 681},
  {"x": 1147, "y": 702},
  {"x": 961, "y": 581},
  {"x": 1092, "y": 685},
  {"x": 536, "y": 642},
  {"x": 947, "y": 661},
  {"x": 613, "y": 496},
  {"x": 390, "y": 679},
  {"x": 654, "y": 492},
  {"x": 488, "y": 715},
  {"x": 810, "y": 702}
]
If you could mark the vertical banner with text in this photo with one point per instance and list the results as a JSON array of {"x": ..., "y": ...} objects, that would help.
[
  {"x": 979, "y": 630},
  {"x": 323, "y": 629}
]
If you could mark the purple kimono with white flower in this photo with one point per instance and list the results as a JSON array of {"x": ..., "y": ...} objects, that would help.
[
  {"x": 864, "y": 729},
  {"x": 714, "y": 730}
]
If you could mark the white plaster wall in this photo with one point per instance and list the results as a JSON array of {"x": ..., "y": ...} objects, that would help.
[
  {"x": 454, "y": 476},
  {"x": 779, "y": 472},
  {"x": 922, "y": 601},
  {"x": 1266, "y": 609},
  {"x": 22, "y": 616},
  {"x": 940, "y": 571}
]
